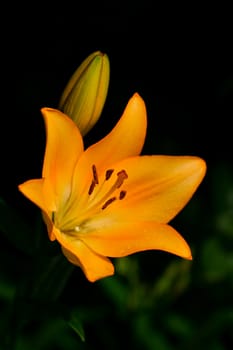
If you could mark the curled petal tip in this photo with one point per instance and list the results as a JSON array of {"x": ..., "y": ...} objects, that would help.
[
  {"x": 136, "y": 95},
  {"x": 136, "y": 104},
  {"x": 200, "y": 167},
  {"x": 137, "y": 98},
  {"x": 203, "y": 165}
]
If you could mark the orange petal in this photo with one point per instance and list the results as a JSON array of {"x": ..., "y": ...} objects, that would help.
[
  {"x": 93, "y": 265},
  {"x": 122, "y": 239},
  {"x": 157, "y": 188},
  {"x": 63, "y": 148},
  {"x": 125, "y": 140},
  {"x": 33, "y": 190}
]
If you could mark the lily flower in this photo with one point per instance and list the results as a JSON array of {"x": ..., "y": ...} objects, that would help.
[
  {"x": 85, "y": 93},
  {"x": 108, "y": 201}
]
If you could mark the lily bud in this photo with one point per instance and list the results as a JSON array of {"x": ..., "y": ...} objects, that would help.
[{"x": 84, "y": 96}]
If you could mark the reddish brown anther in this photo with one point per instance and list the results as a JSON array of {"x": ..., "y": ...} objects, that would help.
[
  {"x": 109, "y": 201},
  {"x": 108, "y": 173},
  {"x": 95, "y": 175},
  {"x": 122, "y": 195}
]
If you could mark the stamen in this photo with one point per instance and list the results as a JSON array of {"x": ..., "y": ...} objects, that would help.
[
  {"x": 95, "y": 175},
  {"x": 95, "y": 180},
  {"x": 105, "y": 200},
  {"x": 109, "y": 201},
  {"x": 122, "y": 195},
  {"x": 91, "y": 188},
  {"x": 108, "y": 174}
]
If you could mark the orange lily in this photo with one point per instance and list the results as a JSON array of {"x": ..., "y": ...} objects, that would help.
[{"x": 108, "y": 201}]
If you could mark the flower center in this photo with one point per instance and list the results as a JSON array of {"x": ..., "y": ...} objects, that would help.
[
  {"x": 101, "y": 193},
  {"x": 106, "y": 199}
]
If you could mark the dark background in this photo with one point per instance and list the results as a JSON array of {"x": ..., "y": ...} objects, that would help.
[{"x": 179, "y": 58}]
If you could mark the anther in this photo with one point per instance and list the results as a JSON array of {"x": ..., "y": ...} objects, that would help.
[
  {"x": 91, "y": 188},
  {"x": 122, "y": 195},
  {"x": 109, "y": 201},
  {"x": 95, "y": 175},
  {"x": 108, "y": 174},
  {"x": 95, "y": 180}
]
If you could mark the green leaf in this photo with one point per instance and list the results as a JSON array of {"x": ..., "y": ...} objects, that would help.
[
  {"x": 75, "y": 323},
  {"x": 47, "y": 278}
]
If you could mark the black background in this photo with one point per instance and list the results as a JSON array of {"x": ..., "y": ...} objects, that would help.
[{"x": 178, "y": 57}]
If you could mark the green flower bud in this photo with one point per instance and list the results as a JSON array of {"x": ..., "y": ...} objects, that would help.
[{"x": 84, "y": 96}]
